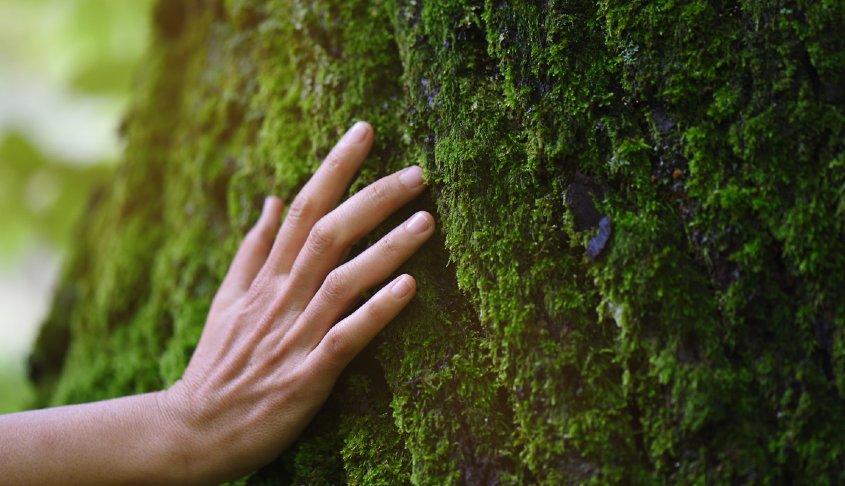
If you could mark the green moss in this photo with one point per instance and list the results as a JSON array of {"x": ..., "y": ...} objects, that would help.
[{"x": 704, "y": 344}]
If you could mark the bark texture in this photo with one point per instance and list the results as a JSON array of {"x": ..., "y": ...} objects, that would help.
[{"x": 640, "y": 269}]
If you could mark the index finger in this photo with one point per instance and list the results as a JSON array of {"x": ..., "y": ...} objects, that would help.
[{"x": 319, "y": 196}]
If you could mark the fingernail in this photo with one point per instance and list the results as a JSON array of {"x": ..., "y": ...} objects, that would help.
[
  {"x": 357, "y": 133},
  {"x": 412, "y": 177},
  {"x": 418, "y": 224},
  {"x": 401, "y": 287}
]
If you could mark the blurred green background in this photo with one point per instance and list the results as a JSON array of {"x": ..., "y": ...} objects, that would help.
[{"x": 66, "y": 68}]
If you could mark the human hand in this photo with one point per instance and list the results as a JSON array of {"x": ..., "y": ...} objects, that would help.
[{"x": 273, "y": 344}]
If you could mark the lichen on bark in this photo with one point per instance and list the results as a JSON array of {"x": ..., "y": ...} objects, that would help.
[{"x": 704, "y": 343}]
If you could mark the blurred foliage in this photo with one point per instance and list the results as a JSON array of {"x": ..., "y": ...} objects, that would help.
[
  {"x": 56, "y": 56},
  {"x": 83, "y": 50},
  {"x": 92, "y": 44},
  {"x": 15, "y": 391},
  {"x": 39, "y": 196}
]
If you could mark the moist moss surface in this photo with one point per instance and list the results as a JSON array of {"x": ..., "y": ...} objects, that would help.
[{"x": 704, "y": 343}]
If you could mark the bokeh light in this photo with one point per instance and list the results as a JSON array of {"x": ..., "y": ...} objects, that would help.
[{"x": 66, "y": 69}]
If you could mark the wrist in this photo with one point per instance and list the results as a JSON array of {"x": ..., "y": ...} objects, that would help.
[{"x": 181, "y": 445}]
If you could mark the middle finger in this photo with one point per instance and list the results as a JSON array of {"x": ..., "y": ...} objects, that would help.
[
  {"x": 333, "y": 235},
  {"x": 320, "y": 194}
]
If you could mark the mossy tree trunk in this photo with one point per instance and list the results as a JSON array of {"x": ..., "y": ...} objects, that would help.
[{"x": 702, "y": 339}]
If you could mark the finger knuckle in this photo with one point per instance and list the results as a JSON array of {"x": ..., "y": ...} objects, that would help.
[
  {"x": 301, "y": 208},
  {"x": 388, "y": 247},
  {"x": 336, "y": 287},
  {"x": 322, "y": 238},
  {"x": 334, "y": 160},
  {"x": 378, "y": 193},
  {"x": 339, "y": 346},
  {"x": 375, "y": 312}
]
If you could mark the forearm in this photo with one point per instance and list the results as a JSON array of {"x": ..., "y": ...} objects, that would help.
[{"x": 127, "y": 440}]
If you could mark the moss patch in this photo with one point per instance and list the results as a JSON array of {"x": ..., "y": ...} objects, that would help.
[{"x": 703, "y": 344}]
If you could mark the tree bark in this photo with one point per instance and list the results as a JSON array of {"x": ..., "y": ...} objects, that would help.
[{"x": 639, "y": 274}]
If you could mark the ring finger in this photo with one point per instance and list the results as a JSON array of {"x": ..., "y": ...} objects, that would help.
[
  {"x": 351, "y": 221},
  {"x": 345, "y": 283}
]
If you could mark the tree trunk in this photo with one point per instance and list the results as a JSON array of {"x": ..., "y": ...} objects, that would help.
[{"x": 639, "y": 274}]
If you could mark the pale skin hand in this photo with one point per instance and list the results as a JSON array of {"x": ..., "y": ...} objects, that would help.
[{"x": 275, "y": 341}]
